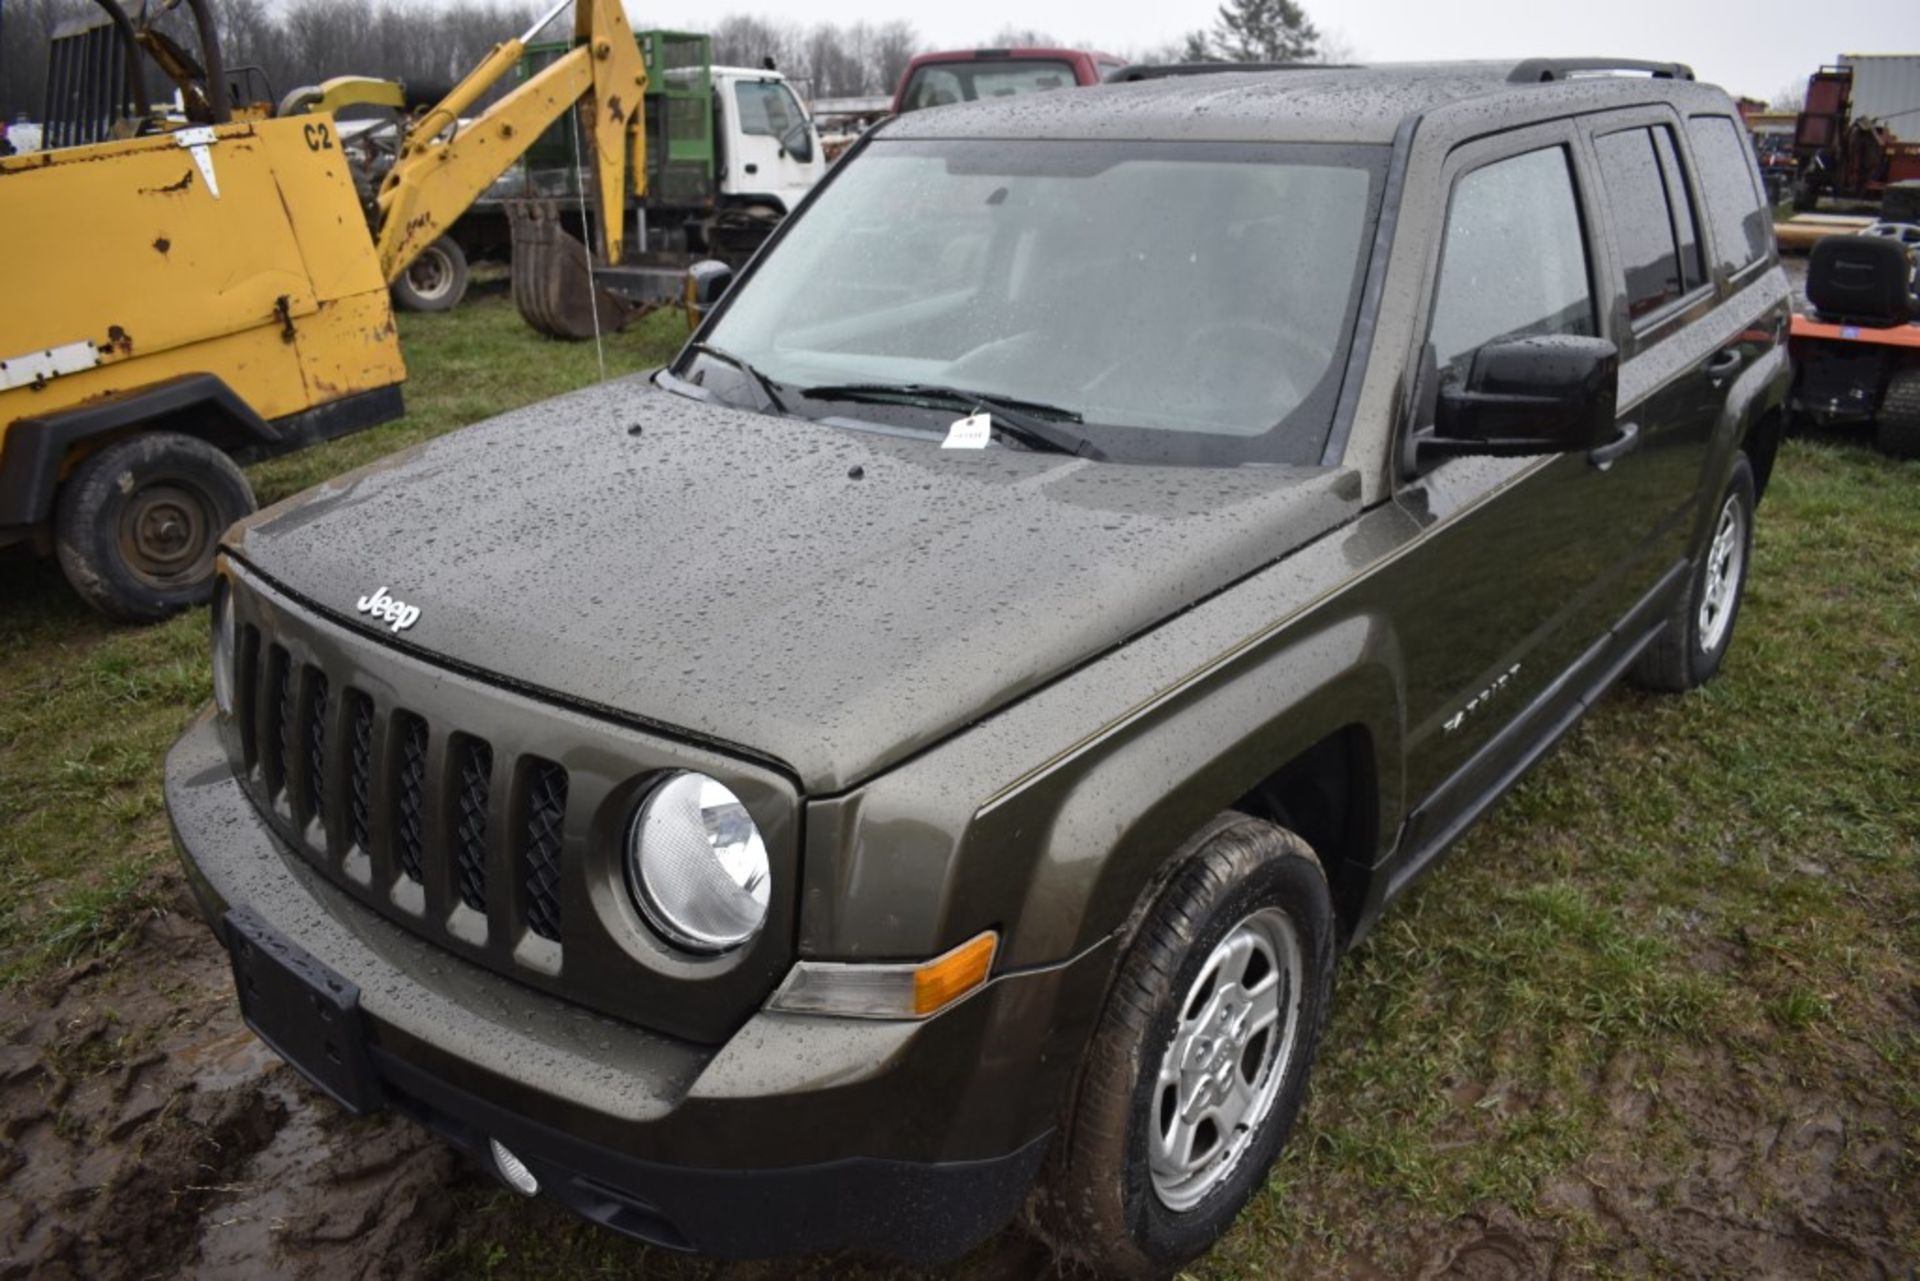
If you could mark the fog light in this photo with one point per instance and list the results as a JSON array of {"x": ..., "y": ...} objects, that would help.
[{"x": 513, "y": 1169}]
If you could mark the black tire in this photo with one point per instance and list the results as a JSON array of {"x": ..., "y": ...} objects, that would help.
[
  {"x": 436, "y": 280},
  {"x": 1896, "y": 427},
  {"x": 1099, "y": 1202},
  {"x": 136, "y": 526},
  {"x": 1686, "y": 657}
]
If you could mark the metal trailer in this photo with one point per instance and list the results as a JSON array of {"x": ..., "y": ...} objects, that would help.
[
  {"x": 1840, "y": 151},
  {"x": 1886, "y": 90}
]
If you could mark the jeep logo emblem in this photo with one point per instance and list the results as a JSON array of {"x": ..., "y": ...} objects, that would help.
[{"x": 387, "y": 609}]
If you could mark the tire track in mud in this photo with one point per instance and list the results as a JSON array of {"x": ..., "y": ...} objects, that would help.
[{"x": 144, "y": 1131}]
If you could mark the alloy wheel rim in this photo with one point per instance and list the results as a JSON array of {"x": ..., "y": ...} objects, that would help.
[
  {"x": 1232, "y": 1044},
  {"x": 1725, "y": 558}
]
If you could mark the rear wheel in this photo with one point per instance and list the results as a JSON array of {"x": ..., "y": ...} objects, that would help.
[
  {"x": 1199, "y": 1063},
  {"x": 1699, "y": 631},
  {"x": 1897, "y": 425},
  {"x": 436, "y": 280},
  {"x": 136, "y": 526}
]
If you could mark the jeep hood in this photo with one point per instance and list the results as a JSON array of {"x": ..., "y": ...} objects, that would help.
[{"x": 829, "y": 598}]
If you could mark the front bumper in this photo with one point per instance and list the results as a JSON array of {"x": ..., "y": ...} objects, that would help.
[{"x": 797, "y": 1134}]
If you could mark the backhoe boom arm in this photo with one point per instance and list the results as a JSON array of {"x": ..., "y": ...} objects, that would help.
[{"x": 444, "y": 166}]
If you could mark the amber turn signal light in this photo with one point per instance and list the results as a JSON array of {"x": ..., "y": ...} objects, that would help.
[
  {"x": 941, "y": 982},
  {"x": 890, "y": 991}
]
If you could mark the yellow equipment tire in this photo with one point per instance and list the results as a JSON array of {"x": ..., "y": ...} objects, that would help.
[{"x": 137, "y": 525}]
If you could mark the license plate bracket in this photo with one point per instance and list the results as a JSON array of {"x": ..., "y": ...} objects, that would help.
[{"x": 306, "y": 1012}]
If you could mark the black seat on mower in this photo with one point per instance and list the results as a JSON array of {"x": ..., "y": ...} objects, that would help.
[{"x": 1861, "y": 280}]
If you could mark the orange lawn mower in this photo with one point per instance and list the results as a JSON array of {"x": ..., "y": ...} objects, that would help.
[{"x": 1857, "y": 356}]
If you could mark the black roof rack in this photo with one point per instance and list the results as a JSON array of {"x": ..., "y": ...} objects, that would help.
[
  {"x": 1160, "y": 71},
  {"x": 1547, "y": 70}
]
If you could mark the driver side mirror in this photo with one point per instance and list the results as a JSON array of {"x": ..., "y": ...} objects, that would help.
[
  {"x": 707, "y": 281},
  {"x": 797, "y": 141},
  {"x": 1524, "y": 396}
]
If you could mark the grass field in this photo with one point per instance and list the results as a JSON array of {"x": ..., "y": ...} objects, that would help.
[
  {"x": 1660, "y": 1014},
  {"x": 86, "y": 709}
]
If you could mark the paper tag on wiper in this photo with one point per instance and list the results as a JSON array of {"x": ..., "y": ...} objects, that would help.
[{"x": 975, "y": 431}]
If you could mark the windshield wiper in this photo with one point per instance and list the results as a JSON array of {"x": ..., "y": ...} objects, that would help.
[
  {"x": 1032, "y": 423},
  {"x": 760, "y": 380}
]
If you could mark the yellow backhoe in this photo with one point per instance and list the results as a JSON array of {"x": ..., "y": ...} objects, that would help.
[{"x": 187, "y": 294}]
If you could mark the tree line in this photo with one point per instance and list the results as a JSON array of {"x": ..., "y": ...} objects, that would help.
[
  {"x": 296, "y": 43},
  {"x": 301, "y": 42}
]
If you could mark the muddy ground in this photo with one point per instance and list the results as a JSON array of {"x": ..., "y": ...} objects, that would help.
[{"x": 146, "y": 1133}]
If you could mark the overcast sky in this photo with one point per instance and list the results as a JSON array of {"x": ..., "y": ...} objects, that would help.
[{"x": 1754, "y": 47}]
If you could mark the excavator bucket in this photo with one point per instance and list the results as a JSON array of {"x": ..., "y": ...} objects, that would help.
[{"x": 553, "y": 284}]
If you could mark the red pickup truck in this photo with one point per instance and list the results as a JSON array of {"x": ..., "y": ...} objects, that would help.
[{"x": 937, "y": 79}]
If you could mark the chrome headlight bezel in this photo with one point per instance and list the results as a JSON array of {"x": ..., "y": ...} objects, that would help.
[{"x": 729, "y": 909}]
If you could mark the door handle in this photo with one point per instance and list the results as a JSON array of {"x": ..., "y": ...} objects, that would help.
[
  {"x": 753, "y": 168},
  {"x": 1605, "y": 456},
  {"x": 1724, "y": 364}
]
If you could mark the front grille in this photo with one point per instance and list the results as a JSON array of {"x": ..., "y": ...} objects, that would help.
[
  {"x": 419, "y": 822},
  {"x": 410, "y": 796},
  {"x": 540, "y": 858},
  {"x": 470, "y": 825},
  {"x": 246, "y": 701},
  {"x": 360, "y": 770},
  {"x": 317, "y": 745},
  {"x": 481, "y": 821},
  {"x": 278, "y": 702}
]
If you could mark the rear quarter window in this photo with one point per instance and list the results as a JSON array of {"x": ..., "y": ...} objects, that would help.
[{"x": 1730, "y": 184}]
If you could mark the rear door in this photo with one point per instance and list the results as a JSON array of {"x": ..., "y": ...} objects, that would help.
[{"x": 1672, "y": 365}]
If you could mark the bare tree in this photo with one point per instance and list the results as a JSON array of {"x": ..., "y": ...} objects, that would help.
[
  {"x": 28, "y": 25},
  {"x": 1012, "y": 37},
  {"x": 1335, "y": 48},
  {"x": 1790, "y": 97},
  {"x": 893, "y": 48},
  {"x": 302, "y": 42}
]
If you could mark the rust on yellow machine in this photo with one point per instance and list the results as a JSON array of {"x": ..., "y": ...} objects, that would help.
[
  {"x": 235, "y": 250},
  {"x": 209, "y": 294}
]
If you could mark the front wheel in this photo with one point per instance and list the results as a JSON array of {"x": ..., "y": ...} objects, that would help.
[
  {"x": 136, "y": 526},
  {"x": 1199, "y": 1063},
  {"x": 436, "y": 280},
  {"x": 1698, "y": 633}
]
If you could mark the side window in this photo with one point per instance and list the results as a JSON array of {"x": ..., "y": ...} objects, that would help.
[
  {"x": 1680, "y": 199},
  {"x": 1514, "y": 260},
  {"x": 766, "y": 108},
  {"x": 1643, "y": 223},
  {"x": 1730, "y": 185}
]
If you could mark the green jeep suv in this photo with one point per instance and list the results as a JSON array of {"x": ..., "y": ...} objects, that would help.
[{"x": 920, "y": 756}]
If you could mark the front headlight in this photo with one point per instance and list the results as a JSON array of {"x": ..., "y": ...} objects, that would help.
[
  {"x": 223, "y": 645},
  {"x": 697, "y": 865}
]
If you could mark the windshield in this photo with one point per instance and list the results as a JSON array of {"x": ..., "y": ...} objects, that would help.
[
  {"x": 937, "y": 84},
  {"x": 1184, "y": 302},
  {"x": 767, "y": 107}
]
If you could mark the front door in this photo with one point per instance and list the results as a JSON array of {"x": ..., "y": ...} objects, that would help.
[{"x": 1499, "y": 600}]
